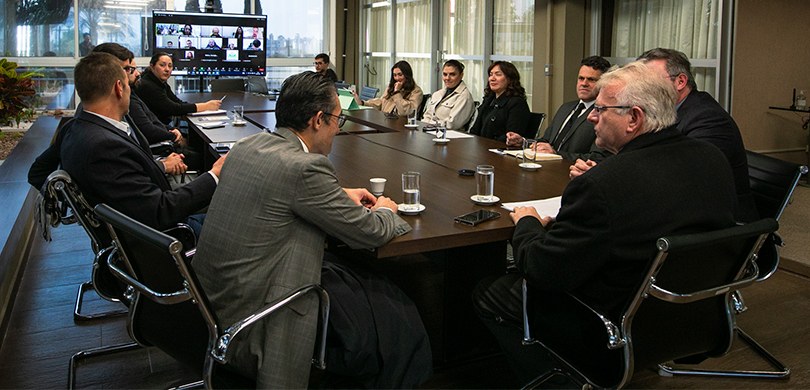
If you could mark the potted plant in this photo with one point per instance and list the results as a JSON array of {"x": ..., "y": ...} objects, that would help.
[{"x": 17, "y": 94}]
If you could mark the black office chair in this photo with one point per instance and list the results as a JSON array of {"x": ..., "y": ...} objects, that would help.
[
  {"x": 171, "y": 312},
  {"x": 420, "y": 111},
  {"x": 772, "y": 183},
  {"x": 257, "y": 84},
  {"x": 342, "y": 85},
  {"x": 63, "y": 203},
  {"x": 680, "y": 311},
  {"x": 535, "y": 123},
  {"x": 228, "y": 85},
  {"x": 368, "y": 93}
]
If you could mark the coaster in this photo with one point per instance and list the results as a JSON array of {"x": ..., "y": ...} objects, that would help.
[
  {"x": 410, "y": 209},
  {"x": 530, "y": 166},
  {"x": 441, "y": 140},
  {"x": 482, "y": 200}
]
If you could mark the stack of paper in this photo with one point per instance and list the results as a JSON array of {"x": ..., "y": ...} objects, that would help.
[
  {"x": 519, "y": 154},
  {"x": 545, "y": 207}
]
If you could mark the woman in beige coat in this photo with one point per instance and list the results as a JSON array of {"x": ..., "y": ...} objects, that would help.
[{"x": 402, "y": 97}]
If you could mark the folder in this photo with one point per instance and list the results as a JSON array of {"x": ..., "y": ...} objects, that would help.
[{"x": 347, "y": 101}]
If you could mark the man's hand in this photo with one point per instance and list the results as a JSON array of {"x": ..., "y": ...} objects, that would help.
[
  {"x": 217, "y": 167},
  {"x": 521, "y": 212},
  {"x": 514, "y": 139},
  {"x": 544, "y": 147},
  {"x": 580, "y": 167},
  {"x": 178, "y": 137},
  {"x": 173, "y": 164},
  {"x": 385, "y": 202},
  {"x": 361, "y": 197}
]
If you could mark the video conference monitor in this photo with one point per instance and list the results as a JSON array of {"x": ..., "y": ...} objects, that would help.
[{"x": 212, "y": 44}]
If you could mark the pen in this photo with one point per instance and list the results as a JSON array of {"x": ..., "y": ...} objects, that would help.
[{"x": 223, "y": 99}]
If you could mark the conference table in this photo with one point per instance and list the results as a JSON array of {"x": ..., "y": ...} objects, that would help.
[{"x": 440, "y": 261}]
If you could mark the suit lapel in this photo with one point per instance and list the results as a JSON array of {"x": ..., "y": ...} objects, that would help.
[{"x": 577, "y": 123}]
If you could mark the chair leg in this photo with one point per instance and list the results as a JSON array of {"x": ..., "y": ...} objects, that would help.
[
  {"x": 781, "y": 371},
  {"x": 77, "y": 308},
  {"x": 89, "y": 353}
]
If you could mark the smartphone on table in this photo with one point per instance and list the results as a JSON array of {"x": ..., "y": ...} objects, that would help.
[{"x": 476, "y": 217}]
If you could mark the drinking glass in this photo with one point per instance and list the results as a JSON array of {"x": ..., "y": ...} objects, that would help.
[
  {"x": 485, "y": 182},
  {"x": 410, "y": 190},
  {"x": 238, "y": 114},
  {"x": 529, "y": 154}
]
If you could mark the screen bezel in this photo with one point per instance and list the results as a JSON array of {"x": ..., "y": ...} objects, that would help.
[{"x": 200, "y": 60}]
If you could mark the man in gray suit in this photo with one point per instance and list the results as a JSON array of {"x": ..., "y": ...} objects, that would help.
[
  {"x": 570, "y": 134},
  {"x": 277, "y": 200}
]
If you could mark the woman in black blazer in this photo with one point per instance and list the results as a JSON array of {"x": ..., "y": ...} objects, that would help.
[
  {"x": 158, "y": 96},
  {"x": 504, "y": 108}
]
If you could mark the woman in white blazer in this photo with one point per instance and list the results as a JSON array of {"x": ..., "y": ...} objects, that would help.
[{"x": 452, "y": 105}]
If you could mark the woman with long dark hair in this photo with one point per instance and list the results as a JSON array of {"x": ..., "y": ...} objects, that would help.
[
  {"x": 158, "y": 96},
  {"x": 504, "y": 108},
  {"x": 402, "y": 97}
]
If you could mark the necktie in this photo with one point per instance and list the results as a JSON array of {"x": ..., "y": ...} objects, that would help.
[{"x": 558, "y": 140}]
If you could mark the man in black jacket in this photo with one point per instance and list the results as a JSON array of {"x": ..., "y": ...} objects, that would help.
[
  {"x": 659, "y": 182},
  {"x": 139, "y": 116},
  {"x": 111, "y": 162}
]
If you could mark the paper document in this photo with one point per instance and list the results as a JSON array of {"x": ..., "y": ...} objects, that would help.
[
  {"x": 545, "y": 207},
  {"x": 213, "y": 118},
  {"x": 519, "y": 154},
  {"x": 452, "y": 134},
  {"x": 208, "y": 112}
]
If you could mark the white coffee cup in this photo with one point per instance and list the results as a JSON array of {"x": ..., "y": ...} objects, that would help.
[{"x": 377, "y": 185}]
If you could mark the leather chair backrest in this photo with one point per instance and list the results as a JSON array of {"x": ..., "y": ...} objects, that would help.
[
  {"x": 227, "y": 85},
  {"x": 772, "y": 182},
  {"x": 535, "y": 122}
]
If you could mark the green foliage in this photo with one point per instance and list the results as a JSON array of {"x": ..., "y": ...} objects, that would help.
[{"x": 17, "y": 93}]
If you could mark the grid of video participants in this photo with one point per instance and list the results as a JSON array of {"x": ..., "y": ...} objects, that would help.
[{"x": 209, "y": 43}]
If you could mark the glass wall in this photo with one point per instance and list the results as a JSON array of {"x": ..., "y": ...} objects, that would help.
[
  {"x": 50, "y": 35},
  {"x": 630, "y": 27},
  {"x": 409, "y": 33},
  {"x": 462, "y": 39}
]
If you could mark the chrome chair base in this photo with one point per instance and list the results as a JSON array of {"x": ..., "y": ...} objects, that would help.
[
  {"x": 94, "y": 352},
  {"x": 77, "y": 308},
  {"x": 780, "y": 372}
]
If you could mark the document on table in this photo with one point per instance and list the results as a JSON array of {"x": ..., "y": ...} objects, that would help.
[
  {"x": 545, "y": 207},
  {"x": 208, "y": 112},
  {"x": 519, "y": 154}
]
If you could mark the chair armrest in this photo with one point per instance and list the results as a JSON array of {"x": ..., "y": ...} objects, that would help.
[
  {"x": 220, "y": 350},
  {"x": 162, "y": 149},
  {"x": 162, "y": 298},
  {"x": 672, "y": 297}
]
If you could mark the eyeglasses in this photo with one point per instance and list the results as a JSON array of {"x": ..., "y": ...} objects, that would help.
[
  {"x": 130, "y": 69},
  {"x": 601, "y": 109},
  {"x": 318, "y": 63},
  {"x": 341, "y": 118}
]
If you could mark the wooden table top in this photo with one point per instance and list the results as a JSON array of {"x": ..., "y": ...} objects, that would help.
[
  {"x": 395, "y": 149},
  {"x": 251, "y": 101},
  {"x": 444, "y": 192}
]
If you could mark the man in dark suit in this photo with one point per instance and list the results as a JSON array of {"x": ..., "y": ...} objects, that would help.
[
  {"x": 701, "y": 117},
  {"x": 570, "y": 133},
  {"x": 139, "y": 116},
  {"x": 322, "y": 67},
  {"x": 111, "y": 162},
  {"x": 289, "y": 200},
  {"x": 658, "y": 182}
]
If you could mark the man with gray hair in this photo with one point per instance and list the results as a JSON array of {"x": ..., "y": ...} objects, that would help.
[
  {"x": 278, "y": 198},
  {"x": 700, "y": 117},
  {"x": 659, "y": 182}
]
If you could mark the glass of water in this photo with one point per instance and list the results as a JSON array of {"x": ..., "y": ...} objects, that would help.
[
  {"x": 485, "y": 182},
  {"x": 410, "y": 190}
]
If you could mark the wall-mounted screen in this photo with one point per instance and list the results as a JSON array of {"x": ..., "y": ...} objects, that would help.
[{"x": 212, "y": 44}]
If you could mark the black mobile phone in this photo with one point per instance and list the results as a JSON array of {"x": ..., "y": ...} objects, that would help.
[{"x": 476, "y": 217}]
